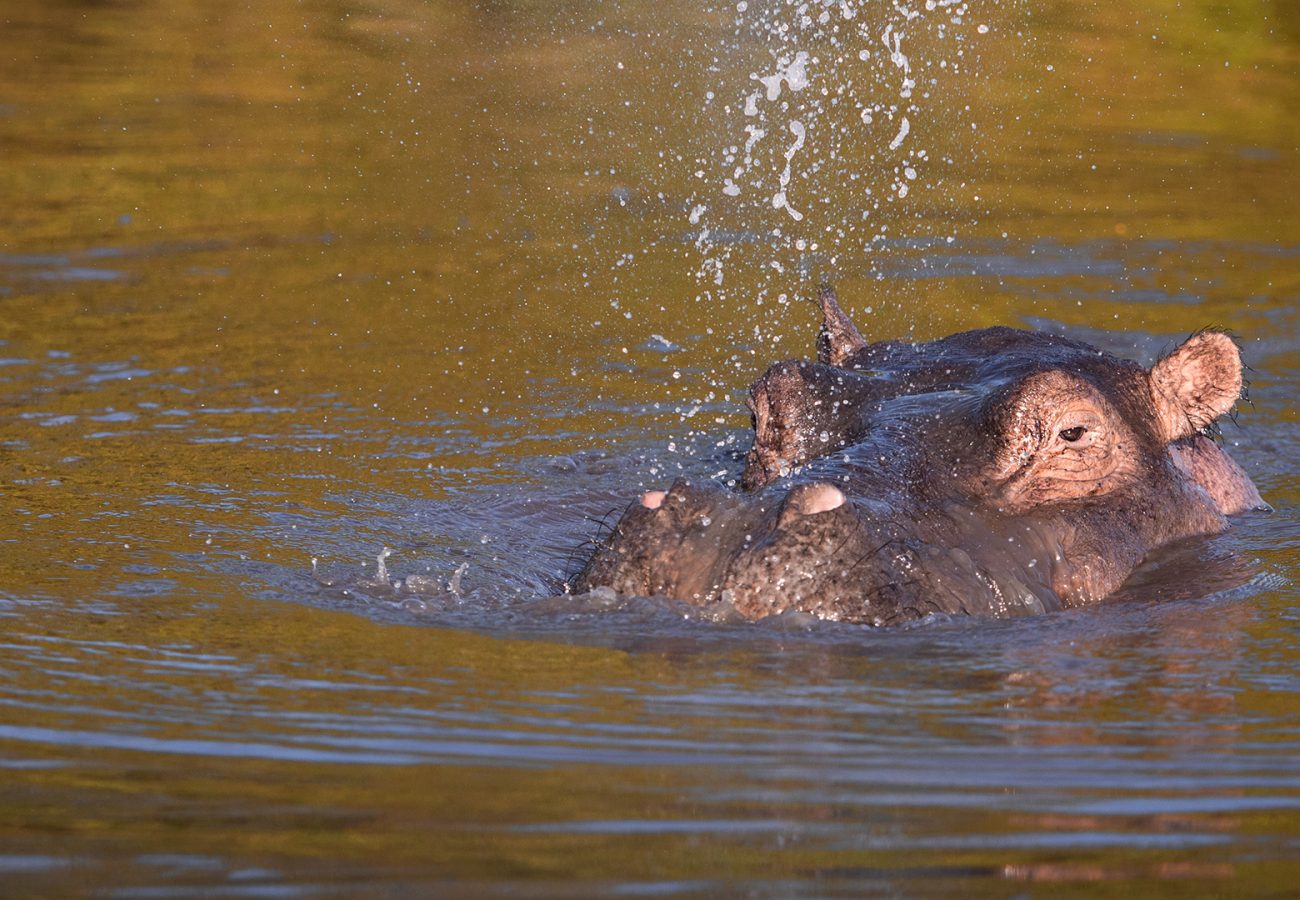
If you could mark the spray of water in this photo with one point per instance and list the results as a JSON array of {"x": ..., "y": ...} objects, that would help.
[{"x": 825, "y": 120}]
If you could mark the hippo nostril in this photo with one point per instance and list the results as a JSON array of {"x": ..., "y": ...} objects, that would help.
[
  {"x": 816, "y": 498},
  {"x": 653, "y": 499}
]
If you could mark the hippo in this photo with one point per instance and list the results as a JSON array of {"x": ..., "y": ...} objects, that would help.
[{"x": 994, "y": 473}]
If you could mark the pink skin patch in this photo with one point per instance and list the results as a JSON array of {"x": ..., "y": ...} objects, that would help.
[
  {"x": 653, "y": 499},
  {"x": 819, "y": 498}
]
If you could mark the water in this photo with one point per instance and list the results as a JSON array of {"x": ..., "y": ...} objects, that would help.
[{"x": 284, "y": 285}]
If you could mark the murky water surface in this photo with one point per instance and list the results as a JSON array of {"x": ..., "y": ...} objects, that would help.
[{"x": 284, "y": 285}]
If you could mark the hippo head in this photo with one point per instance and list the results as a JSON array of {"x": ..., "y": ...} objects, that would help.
[{"x": 995, "y": 472}]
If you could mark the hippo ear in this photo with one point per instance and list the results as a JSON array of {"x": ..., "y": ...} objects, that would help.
[
  {"x": 1197, "y": 383},
  {"x": 838, "y": 338}
]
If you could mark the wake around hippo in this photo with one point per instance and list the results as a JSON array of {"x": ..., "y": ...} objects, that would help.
[{"x": 994, "y": 473}]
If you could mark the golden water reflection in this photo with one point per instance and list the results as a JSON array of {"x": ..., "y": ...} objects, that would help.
[{"x": 286, "y": 282}]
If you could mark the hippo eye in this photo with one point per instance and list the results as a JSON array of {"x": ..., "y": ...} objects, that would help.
[{"x": 1070, "y": 435}]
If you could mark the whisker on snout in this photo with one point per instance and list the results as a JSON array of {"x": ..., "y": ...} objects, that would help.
[{"x": 577, "y": 558}]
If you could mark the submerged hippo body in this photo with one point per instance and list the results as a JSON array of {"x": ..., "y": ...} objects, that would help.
[{"x": 996, "y": 472}]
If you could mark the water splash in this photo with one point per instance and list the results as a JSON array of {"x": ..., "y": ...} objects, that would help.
[
  {"x": 842, "y": 116},
  {"x": 779, "y": 200},
  {"x": 381, "y": 566},
  {"x": 453, "y": 586}
]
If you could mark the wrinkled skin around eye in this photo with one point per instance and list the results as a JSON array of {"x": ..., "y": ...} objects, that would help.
[{"x": 1062, "y": 441}]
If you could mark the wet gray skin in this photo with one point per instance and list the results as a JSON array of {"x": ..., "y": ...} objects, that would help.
[{"x": 993, "y": 473}]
